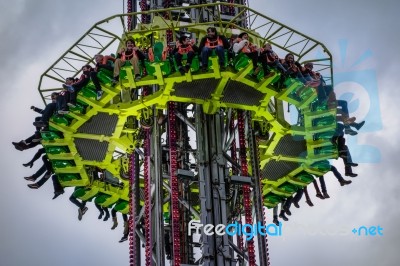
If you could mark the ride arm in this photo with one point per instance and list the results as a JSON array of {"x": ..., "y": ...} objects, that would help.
[{"x": 237, "y": 47}]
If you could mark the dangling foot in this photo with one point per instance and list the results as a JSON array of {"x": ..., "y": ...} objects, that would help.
[
  {"x": 319, "y": 195},
  {"x": 351, "y": 174},
  {"x": 276, "y": 221},
  {"x": 124, "y": 238},
  {"x": 288, "y": 212},
  {"x": 358, "y": 126},
  {"x": 309, "y": 203},
  {"x": 296, "y": 204},
  {"x": 57, "y": 193},
  {"x": 326, "y": 196},
  {"x": 350, "y": 132},
  {"x": 352, "y": 164},
  {"x": 30, "y": 164},
  {"x": 106, "y": 216},
  {"x": 344, "y": 182},
  {"x": 30, "y": 178},
  {"x": 20, "y": 145},
  {"x": 282, "y": 215},
  {"x": 115, "y": 223},
  {"x": 33, "y": 186},
  {"x": 100, "y": 215},
  {"x": 81, "y": 212}
]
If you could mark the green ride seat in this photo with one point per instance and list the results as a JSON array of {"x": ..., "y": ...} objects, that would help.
[
  {"x": 323, "y": 166},
  {"x": 287, "y": 187},
  {"x": 305, "y": 93},
  {"x": 51, "y": 135},
  {"x": 56, "y": 149},
  {"x": 86, "y": 193},
  {"x": 106, "y": 200},
  {"x": 319, "y": 106},
  {"x": 326, "y": 150},
  {"x": 272, "y": 199},
  {"x": 324, "y": 121},
  {"x": 301, "y": 92},
  {"x": 304, "y": 177},
  {"x": 79, "y": 192},
  {"x": 241, "y": 61},
  {"x": 80, "y": 108},
  {"x": 60, "y": 120},
  {"x": 194, "y": 67},
  {"x": 89, "y": 91},
  {"x": 214, "y": 54},
  {"x": 165, "y": 65},
  {"x": 62, "y": 163},
  {"x": 122, "y": 206},
  {"x": 327, "y": 136},
  {"x": 105, "y": 76},
  {"x": 101, "y": 198},
  {"x": 68, "y": 177},
  {"x": 126, "y": 67}
]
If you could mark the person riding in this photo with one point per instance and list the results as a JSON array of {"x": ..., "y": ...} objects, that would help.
[
  {"x": 185, "y": 46},
  {"x": 243, "y": 45},
  {"x": 213, "y": 41},
  {"x": 129, "y": 53}
]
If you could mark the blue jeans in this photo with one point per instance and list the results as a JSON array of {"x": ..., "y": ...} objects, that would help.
[{"x": 206, "y": 52}]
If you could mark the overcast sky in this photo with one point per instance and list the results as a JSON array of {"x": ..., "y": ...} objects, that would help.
[{"x": 363, "y": 38}]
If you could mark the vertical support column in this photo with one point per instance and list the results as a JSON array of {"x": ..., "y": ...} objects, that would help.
[
  {"x": 218, "y": 174},
  {"x": 158, "y": 218},
  {"x": 173, "y": 153},
  {"x": 262, "y": 241},
  {"x": 136, "y": 185},
  {"x": 246, "y": 188},
  {"x": 239, "y": 238},
  {"x": 132, "y": 212},
  {"x": 206, "y": 216},
  {"x": 147, "y": 200},
  {"x": 131, "y": 8},
  {"x": 212, "y": 174}
]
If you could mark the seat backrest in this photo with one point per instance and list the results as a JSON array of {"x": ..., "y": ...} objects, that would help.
[{"x": 158, "y": 51}]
